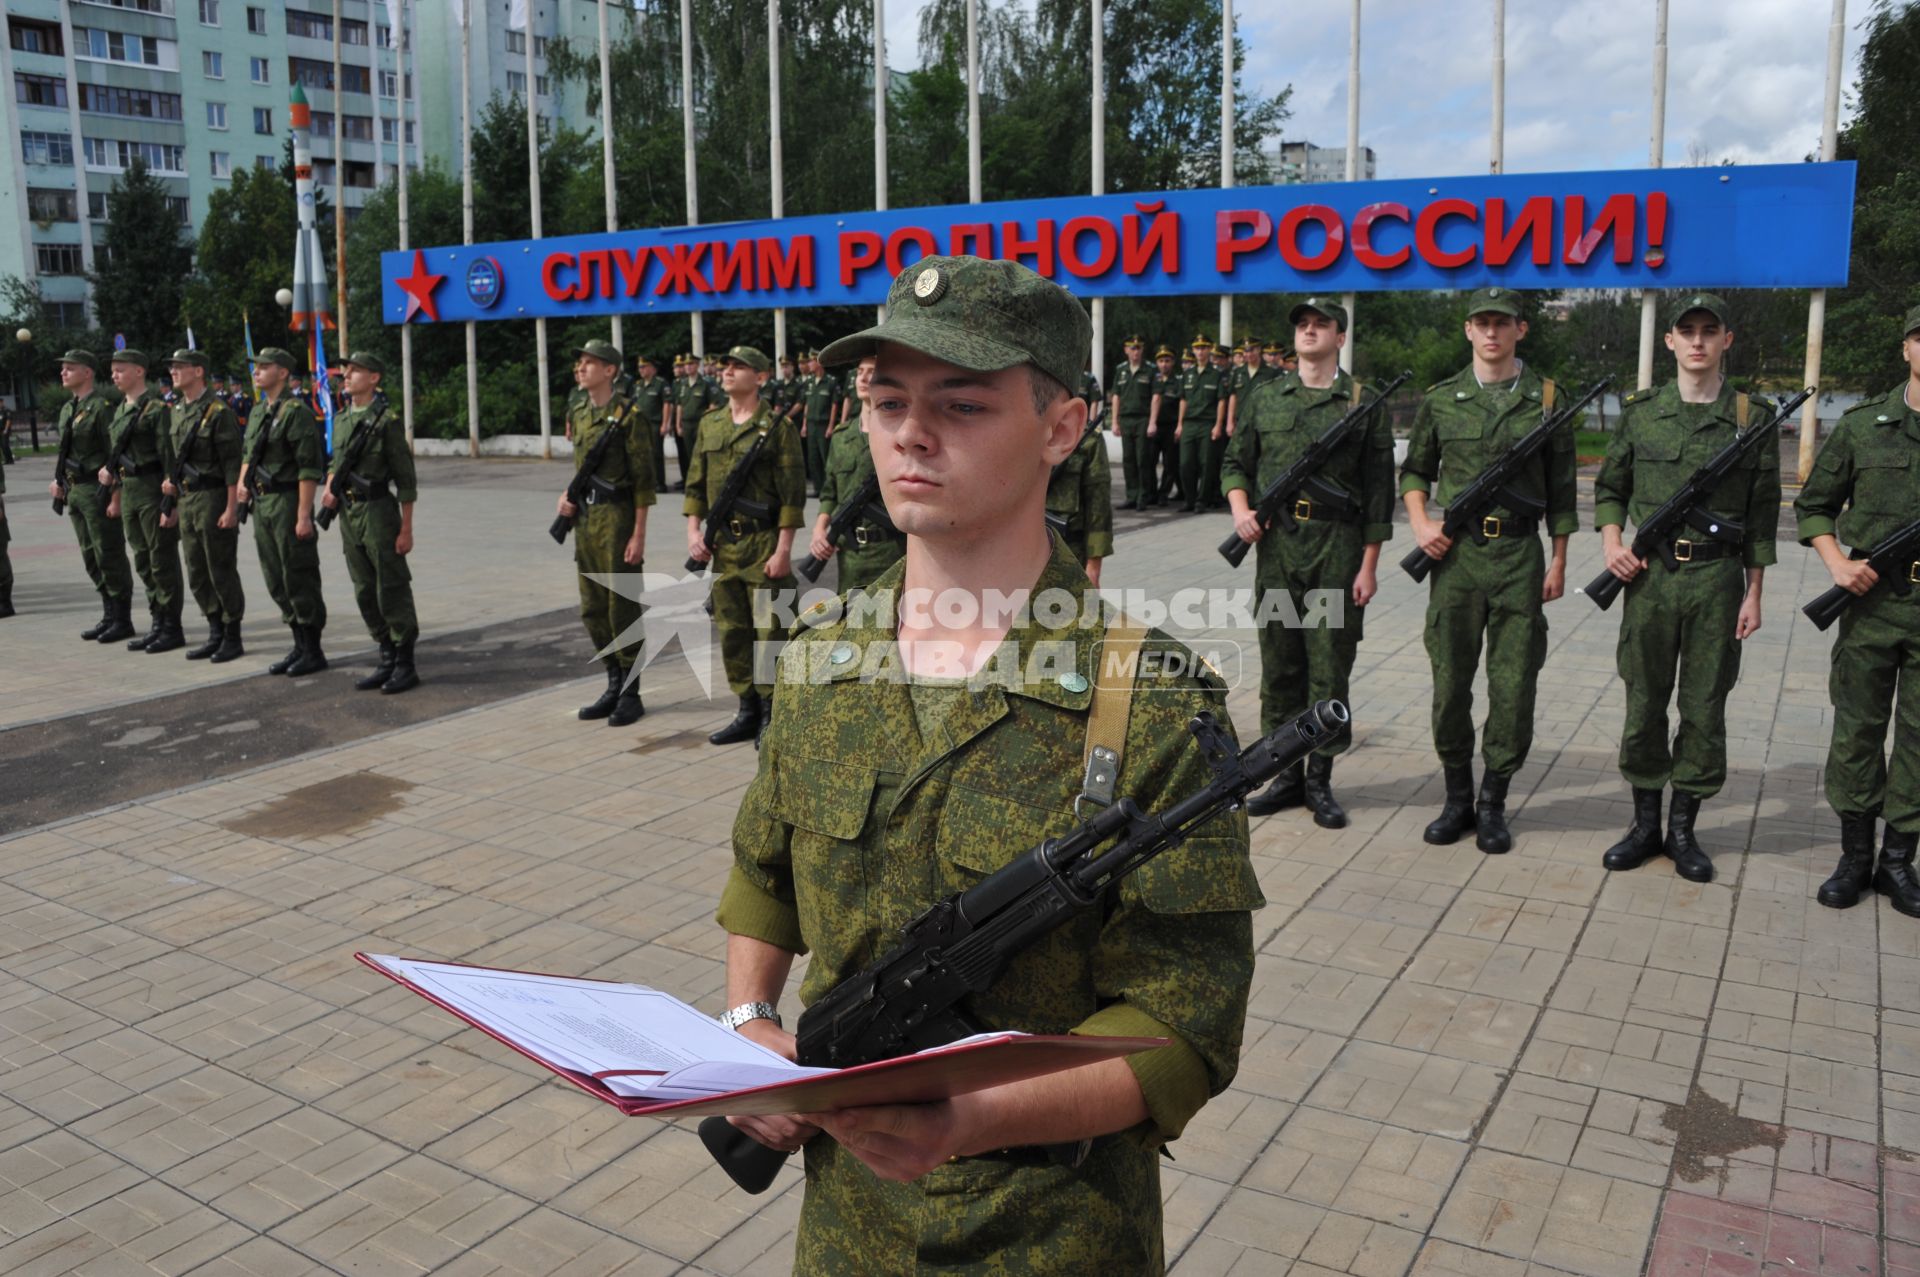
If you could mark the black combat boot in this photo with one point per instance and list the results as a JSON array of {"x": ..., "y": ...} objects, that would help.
[
  {"x": 404, "y": 677},
  {"x": 1689, "y": 861},
  {"x": 171, "y": 637},
  {"x": 230, "y": 646},
  {"x": 628, "y": 709},
  {"x": 1895, "y": 879},
  {"x": 604, "y": 705},
  {"x": 6, "y": 600},
  {"x": 1642, "y": 842},
  {"x": 120, "y": 621},
  {"x": 766, "y": 716},
  {"x": 1288, "y": 789},
  {"x": 311, "y": 659},
  {"x": 1490, "y": 817},
  {"x": 99, "y": 627},
  {"x": 144, "y": 641},
  {"x": 1456, "y": 814},
  {"x": 745, "y": 724},
  {"x": 216, "y": 630},
  {"x": 286, "y": 662},
  {"x": 1327, "y": 812},
  {"x": 378, "y": 676},
  {"x": 1854, "y": 874}
]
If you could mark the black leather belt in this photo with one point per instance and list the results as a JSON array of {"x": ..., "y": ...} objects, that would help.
[
  {"x": 866, "y": 534},
  {"x": 619, "y": 496},
  {"x": 269, "y": 484},
  {"x": 83, "y": 478},
  {"x": 1686, "y": 551},
  {"x": 139, "y": 472},
  {"x": 374, "y": 492},
  {"x": 1499, "y": 527},
  {"x": 209, "y": 483},
  {"x": 1305, "y": 511}
]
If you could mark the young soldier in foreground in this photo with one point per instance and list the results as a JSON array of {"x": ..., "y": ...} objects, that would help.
[
  {"x": 204, "y": 441},
  {"x": 1497, "y": 590},
  {"x": 136, "y": 444},
  {"x": 1331, "y": 548},
  {"x": 376, "y": 525},
  {"x": 611, "y": 535},
  {"x": 876, "y": 796},
  {"x": 875, "y": 544},
  {"x": 285, "y": 458},
  {"x": 82, "y": 432},
  {"x": 1865, "y": 487},
  {"x": 1683, "y": 625}
]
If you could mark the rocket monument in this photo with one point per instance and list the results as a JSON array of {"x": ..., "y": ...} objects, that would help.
[{"x": 310, "y": 308}]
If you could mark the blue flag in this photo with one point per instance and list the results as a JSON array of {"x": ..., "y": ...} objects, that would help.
[{"x": 322, "y": 386}]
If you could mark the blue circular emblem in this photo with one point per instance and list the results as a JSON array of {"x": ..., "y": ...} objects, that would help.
[{"x": 485, "y": 282}]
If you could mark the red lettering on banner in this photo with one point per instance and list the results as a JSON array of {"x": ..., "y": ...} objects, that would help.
[
  {"x": 858, "y": 251},
  {"x": 1533, "y": 223},
  {"x": 971, "y": 239},
  {"x": 596, "y": 273},
  {"x": 1162, "y": 237},
  {"x": 1615, "y": 217},
  {"x": 632, "y": 266},
  {"x": 550, "y": 275},
  {"x": 786, "y": 269},
  {"x": 1290, "y": 237},
  {"x": 680, "y": 268},
  {"x": 1102, "y": 231},
  {"x": 905, "y": 237},
  {"x": 1426, "y": 233},
  {"x": 729, "y": 262},
  {"x": 1229, "y": 244},
  {"x": 1040, "y": 247},
  {"x": 1363, "y": 249}
]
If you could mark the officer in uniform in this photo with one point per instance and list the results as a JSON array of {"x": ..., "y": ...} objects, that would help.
[
  {"x": 1202, "y": 413},
  {"x": 823, "y": 394},
  {"x": 1246, "y": 361},
  {"x": 376, "y": 523},
  {"x": 1130, "y": 409},
  {"x": 873, "y": 544},
  {"x": 611, "y": 533},
  {"x": 1218, "y": 440},
  {"x": 876, "y": 796},
  {"x": 82, "y": 431},
  {"x": 1491, "y": 587},
  {"x": 787, "y": 394},
  {"x": 652, "y": 397},
  {"x": 207, "y": 513},
  {"x": 690, "y": 404},
  {"x": 1865, "y": 486},
  {"x": 1080, "y": 502},
  {"x": 1163, "y": 444},
  {"x": 1683, "y": 626},
  {"x": 1334, "y": 547},
  {"x": 284, "y": 460},
  {"x": 136, "y": 443}
]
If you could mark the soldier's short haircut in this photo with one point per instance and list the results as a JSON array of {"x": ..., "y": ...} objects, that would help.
[{"x": 1047, "y": 389}]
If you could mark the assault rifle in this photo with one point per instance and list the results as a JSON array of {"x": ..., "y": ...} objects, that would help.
[
  {"x": 250, "y": 482},
  {"x": 1892, "y": 560},
  {"x": 1467, "y": 512},
  {"x": 586, "y": 479},
  {"x": 1276, "y": 504},
  {"x": 722, "y": 508},
  {"x": 840, "y": 525},
  {"x": 61, "y": 478},
  {"x": 1687, "y": 506},
  {"x": 911, "y": 998},
  {"x": 338, "y": 483}
]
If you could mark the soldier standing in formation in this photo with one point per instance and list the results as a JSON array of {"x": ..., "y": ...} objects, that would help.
[
  {"x": 817, "y": 419},
  {"x": 1163, "y": 451},
  {"x": 652, "y": 397},
  {"x": 691, "y": 402},
  {"x": 1130, "y": 411},
  {"x": 753, "y": 552},
  {"x": 376, "y": 525},
  {"x": 1202, "y": 412},
  {"x": 611, "y": 533},
  {"x": 1307, "y": 654},
  {"x": 203, "y": 442},
  {"x": 1865, "y": 486},
  {"x": 136, "y": 446},
  {"x": 1683, "y": 626},
  {"x": 1218, "y": 438},
  {"x": 284, "y": 460},
  {"x": 82, "y": 431},
  {"x": 6, "y": 531},
  {"x": 1493, "y": 586},
  {"x": 873, "y": 544}
]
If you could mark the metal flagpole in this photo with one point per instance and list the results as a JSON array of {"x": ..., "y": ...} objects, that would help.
[
  {"x": 606, "y": 145},
  {"x": 339, "y": 193},
  {"x": 1497, "y": 158},
  {"x": 776, "y": 160},
  {"x": 1657, "y": 148},
  {"x": 1226, "y": 143},
  {"x": 1097, "y": 10},
  {"x": 402, "y": 91},
  {"x": 686, "y": 139},
  {"x": 466, "y": 214},
  {"x": 1817, "y": 304},
  {"x": 1353, "y": 158},
  {"x": 973, "y": 101},
  {"x": 880, "y": 113},
  {"x": 544, "y": 384}
]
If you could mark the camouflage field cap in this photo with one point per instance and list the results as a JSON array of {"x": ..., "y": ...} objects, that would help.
[
  {"x": 1913, "y": 322},
  {"x": 365, "y": 359},
  {"x": 749, "y": 356},
  {"x": 1325, "y": 306},
  {"x": 277, "y": 355},
  {"x": 82, "y": 357},
  {"x": 129, "y": 356},
  {"x": 605, "y": 351},
  {"x": 1713, "y": 305},
  {"x": 192, "y": 358},
  {"x": 1493, "y": 301},
  {"x": 979, "y": 315}
]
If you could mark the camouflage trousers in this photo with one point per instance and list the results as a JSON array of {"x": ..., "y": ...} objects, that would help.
[
  {"x": 1302, "y": 664},
  {"x": 382, "y": 581},
  {"x": 983, "y": 1215},
  {"x": 738, "y": 573},
  {"x": 1490, "y": 591},
  {"x": 211, "y": 555},
  {"x": 156, "y": 550},
  {"x": 103, "y": 541},
  {"x": 600, "y": 538},
  {"x": 1136, "y": 457},
  {"x": 290, "y": 565},
  {"x": 1676, "y": 630},
  {"x": 1876, "y": 681}
]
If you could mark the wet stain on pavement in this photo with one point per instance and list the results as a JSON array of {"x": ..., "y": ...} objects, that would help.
[
  {"x": 1707, "y": 1133},
  {"x": 683, "y": 740},
  {"x": 335, "y": 806}
]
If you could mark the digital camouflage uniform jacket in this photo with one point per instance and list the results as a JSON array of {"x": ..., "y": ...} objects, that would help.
[
  {"x": 1278, "y": 421},
  {"x": 1080, "y": 490},
  {"x": 854, "y": 825},
  {"x": 1454, "y": 440}
]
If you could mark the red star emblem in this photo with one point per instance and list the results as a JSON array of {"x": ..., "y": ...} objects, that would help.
[{"x": 419, "y": 288}]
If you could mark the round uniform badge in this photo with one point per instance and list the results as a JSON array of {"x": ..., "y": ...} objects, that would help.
[{"x": 929, "y": 286}]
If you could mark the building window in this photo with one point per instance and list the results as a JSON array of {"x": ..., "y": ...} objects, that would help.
[
  {"x": 46, "y": 204},
  {"x": 47, "y": 148},
  {"x": 315, "y": 74},
  {"x": 29, "y": 36},
  {"x": 58, "y": 259},
  {"x": 539, "y": 46},
  {"x": 213, "y": 64},
  {"x": 359, "y": 174},
  {"x": 356, "y": 128},
  {"x": 113, "y": 155},
  {"x": 144, "y": 104},
  {"x": 323, "y": 172},
  {"x": 543, "y": 86},
  {"x": 209, "y": 13},
  {"x": 182, "y": 208},
  {"x": 389, "y": 84},
  {"x": 355, "y": 79},
  {"x": 257, "y": 70},
  {"x": 216, "y": 115},
  {"x": 517, "y": 83},
  {"x": 263, "y": 119},
  {"x": 256, "y": 21},
  {"x": 311, "y": 26},
  {"x": 162, "y": 7},
  {"x": 66, "y": 314},
  {"x": 96, "y": 206},
  {"x": 353, "y": 31},
  {"x": 220, "y": 164},
  {"x": 516, "y": 42},
  {"x": 390, "y": 129},
  {"x": 120, "y": 46},
  {"x": 264, "y": 162},
  {"x": 320, "y": 123},
  {"x": 39, "y": 90}
]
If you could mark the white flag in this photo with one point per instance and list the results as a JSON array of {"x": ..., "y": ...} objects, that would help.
[
  {"x": 517, "y": 15},
  {"x": 191, "y": 344},
  {"x": 393, "y": 22}
]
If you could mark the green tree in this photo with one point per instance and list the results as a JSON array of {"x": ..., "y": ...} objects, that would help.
[{"x": 141, "y": 276}]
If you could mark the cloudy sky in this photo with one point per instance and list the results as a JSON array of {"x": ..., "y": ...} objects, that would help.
[{"x": 1746, "y": 80}]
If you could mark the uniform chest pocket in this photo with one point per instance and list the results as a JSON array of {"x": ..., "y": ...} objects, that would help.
[
  {"x": 980, "y": 832},
  {"x": 1656, "y": 451},
  {"x": 1883, "y": 482},
  {"x": 1458, "y": 429},
  {"x": 823, "y": 802}
]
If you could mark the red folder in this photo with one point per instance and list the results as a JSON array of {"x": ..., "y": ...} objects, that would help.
[{"x": 912, "y": 1079}]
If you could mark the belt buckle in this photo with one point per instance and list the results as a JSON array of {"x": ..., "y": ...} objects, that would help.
[
  {"x": 1683, "y": 551},
  {"x": 1913, "y": 572},
  {"x": 860, "y": 537},
  {"x": 1303, "y": 509},
  {"x": 735, "y": 528},
  {"x": 1490, "y": 526},
  {"x": 593, "y": 497}
]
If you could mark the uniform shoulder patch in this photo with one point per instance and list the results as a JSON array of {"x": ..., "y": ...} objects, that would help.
[{"x": 1639, "y": 396}]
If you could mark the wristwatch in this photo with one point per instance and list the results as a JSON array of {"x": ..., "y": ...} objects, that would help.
[{"x": 750, "y": 1011}]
